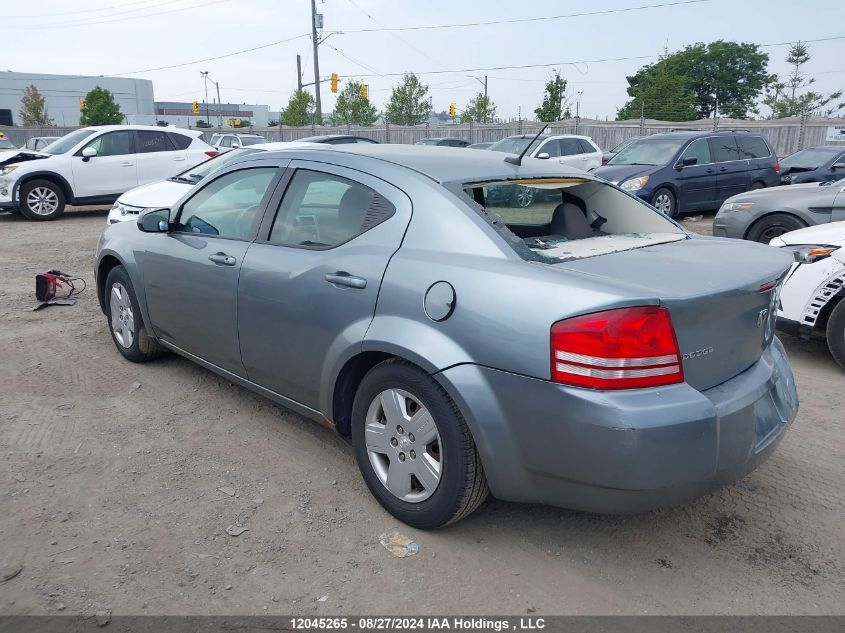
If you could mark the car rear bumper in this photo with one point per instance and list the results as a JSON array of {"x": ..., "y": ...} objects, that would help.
[{"x": 625, "y": 451}]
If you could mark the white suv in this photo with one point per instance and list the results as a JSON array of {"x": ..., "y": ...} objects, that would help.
[
  {"x": 224, "y": 142},
  {"x": 568, "y": 149},
  {"x": 94, "y": 165}
]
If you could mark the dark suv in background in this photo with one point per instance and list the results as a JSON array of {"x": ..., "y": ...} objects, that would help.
[{"x": 692, "y": 171}]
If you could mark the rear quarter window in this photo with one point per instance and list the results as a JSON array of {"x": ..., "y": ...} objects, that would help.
[
  {"x": 180, "y": 140},
  {"x": 752, "y": 147}
]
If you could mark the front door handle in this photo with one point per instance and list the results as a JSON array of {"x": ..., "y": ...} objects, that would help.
[
  {"x": 223, "y": 259},
  {"x": 343, "y": 278},
  {"x": 178, "y": 158},
  {"x": 126, "y": 164}
]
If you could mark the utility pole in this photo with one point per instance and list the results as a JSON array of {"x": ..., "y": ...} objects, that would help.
[
  {"x": 299, "y": 73},
  {"x": 315, "y": 42},
  {"x": 205, "y": 81}
]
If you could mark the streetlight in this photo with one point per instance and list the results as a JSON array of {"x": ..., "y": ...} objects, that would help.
[{"x": 205, "y": 76}]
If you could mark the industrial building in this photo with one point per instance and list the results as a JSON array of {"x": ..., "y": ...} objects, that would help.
[{"x": 62, "y": 94}]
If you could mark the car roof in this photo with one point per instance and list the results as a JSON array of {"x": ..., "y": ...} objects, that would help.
[
  {"x": 441, "y": 138},
  {"x": 438, "y": 163},
  {"x": 833, "y": 149},
  {"x": 153, "y": 128}
]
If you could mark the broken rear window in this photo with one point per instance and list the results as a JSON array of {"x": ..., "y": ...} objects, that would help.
[{"x": 559, "y": 219}]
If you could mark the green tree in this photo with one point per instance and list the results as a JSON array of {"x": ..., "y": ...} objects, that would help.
[
  {"x": 33, "y": 111},
  {"x": 479, "y": 110},
  {"x": 785, "y": 97},
  {"x": 554, "y": 100},
  {"x": 353, "y": 108},
  {"x": 663, "y": 95},
  {"x": 729, "y": 74},
  {"x": 300, "y": 109},
  {"x": 100, "y": 108},
  {"x": 409, "y": 102}
]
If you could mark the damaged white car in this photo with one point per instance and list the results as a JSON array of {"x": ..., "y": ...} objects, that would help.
[{"x": 811, "y": 297}]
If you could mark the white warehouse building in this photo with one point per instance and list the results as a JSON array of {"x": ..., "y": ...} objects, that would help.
[{"x": 63, "y": 92}]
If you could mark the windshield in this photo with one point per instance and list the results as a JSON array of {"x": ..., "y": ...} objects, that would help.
[
  {"x": 68, "y": 142},
  {"x": 622, "y": 145},
  {"x": 6, "y": 144},
  {"x": 197, "y": 173},
  {"x": 648, "y": 152},
  {"x": 515, "y": 144},
  {"x": 810, "y": 157},
  {"x": 246, "y": 141}
]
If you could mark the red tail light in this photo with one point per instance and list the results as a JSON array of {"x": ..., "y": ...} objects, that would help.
[
  {"x": 211, "y": 153},
  {"x": 777, "y": 167},
  {"x": 628, "y": 348}
]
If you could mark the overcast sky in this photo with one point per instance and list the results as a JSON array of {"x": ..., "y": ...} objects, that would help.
[{"x": 117, "y": 37}]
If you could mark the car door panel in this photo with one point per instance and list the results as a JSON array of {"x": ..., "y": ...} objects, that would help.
[
  {"x": 732, "y": 174},
  {"x": 158, "y": 158},
  {"x": 191, "y": 274},
  {"x": 112, "y": 172},
  {"x": 838, "y": 214},
  {"x": 300, "y": 308},
  {"x": 696, "y": 183}
]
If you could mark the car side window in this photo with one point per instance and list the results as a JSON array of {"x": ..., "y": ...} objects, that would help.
[
  {"x": 569, "y": 147},
  {"x": 113, "y": 144},
  {"x": 753, "y": 147},
  {"x": 700, "y": 150},
  {"x": 723, "y": 149},
  {"x": 321, "y": 210},
  {"x": 149, "y": 142},
  {"x": 225, "y": 141},
  {"x": 552, "y": 148},
  {"x": 180, "y": 141},
  {"x": 228, "y": 206},
  {"x": 586, "y": 147}
]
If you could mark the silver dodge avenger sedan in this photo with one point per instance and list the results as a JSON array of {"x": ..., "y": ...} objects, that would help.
[{"x": 584, "y": 351}]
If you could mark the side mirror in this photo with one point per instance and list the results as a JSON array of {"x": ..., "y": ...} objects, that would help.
[
  {"x": 157, "y": 221},
  {"x": 838, "y": 166},
  {"x": 88, "y": 153},
  {"x": 689, "y": 161},
  {"x": 543, "y": 155}
]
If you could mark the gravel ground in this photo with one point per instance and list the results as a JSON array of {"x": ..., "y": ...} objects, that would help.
[{"x": 110, "y": 496}]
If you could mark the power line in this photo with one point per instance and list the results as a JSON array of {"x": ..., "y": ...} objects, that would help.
[
  {"x": 429, "y": 27},
  {"x": 572, "y": 63},
  {"x": 97, "y": 10},
  {"x": 64, "y": 25}
]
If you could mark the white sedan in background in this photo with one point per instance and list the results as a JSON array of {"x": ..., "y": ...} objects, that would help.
[
  {"x": 812, "y": 296},
  {"x": 162, "y": 194},
  {"x": 567, "y": 149}
]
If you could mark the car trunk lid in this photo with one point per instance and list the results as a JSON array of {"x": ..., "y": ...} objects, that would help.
[{"x": 722, "y": 296}]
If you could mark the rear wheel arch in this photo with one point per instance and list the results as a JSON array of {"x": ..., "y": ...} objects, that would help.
[{"x": 346, "y": 386}]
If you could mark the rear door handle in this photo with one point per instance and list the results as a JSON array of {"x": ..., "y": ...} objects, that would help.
[
  {"x": 724, "y": 169},
  {"x": 223, "y": 259},
  {"x": 179, "y": 158},
  {"x": 126, "y": 164},
  {"x": 343, "y": 278}
]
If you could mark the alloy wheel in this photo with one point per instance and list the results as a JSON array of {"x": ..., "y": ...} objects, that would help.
[{"x": 42, "y": 201}]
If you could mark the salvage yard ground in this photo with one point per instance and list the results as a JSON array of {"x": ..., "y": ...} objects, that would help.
[{"x": 112, "y": 475}]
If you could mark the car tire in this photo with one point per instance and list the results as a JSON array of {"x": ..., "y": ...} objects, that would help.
[
  {"x": 426, "y": 481},
  {"x": 836, "y": 333},
  {"x": 41, "y": 200},
  {"x": 757, "y": 184},
  {"x": 766, "y": 229},
  {"x": 126, "y": 324},
  {"x": 665, "y": 202}
]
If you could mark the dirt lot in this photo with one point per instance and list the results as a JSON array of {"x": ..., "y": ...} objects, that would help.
[{"x": 110, "y": 496}]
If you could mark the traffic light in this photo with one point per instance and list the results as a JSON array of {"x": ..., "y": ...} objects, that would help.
[
  {"x": 452, "y": 110},
  {"x": 334, "y": 82},
  {"x": 195, "y": 106},
  {"x": 365, "y": 91},
  {"x": 82, "y": 104}
]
